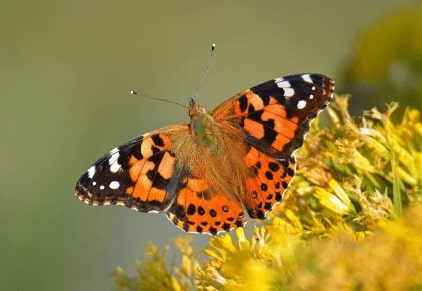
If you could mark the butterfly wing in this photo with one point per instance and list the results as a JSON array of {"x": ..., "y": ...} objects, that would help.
[
  {"x": 199, "y": 208},
  {"x": 275, "y": 117},
  {"x": 139, "y": 174},
  {"x": 146, "y": 174}
]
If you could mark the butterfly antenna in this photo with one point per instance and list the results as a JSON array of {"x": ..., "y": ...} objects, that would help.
[
  {"x": 133, "y": 92},
  {"x": 207, "y": 68}
]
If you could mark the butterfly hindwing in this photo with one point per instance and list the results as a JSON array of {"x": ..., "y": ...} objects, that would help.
[
  {"x": 267, "y": 181},
  {"x": 198, "y": 208}
]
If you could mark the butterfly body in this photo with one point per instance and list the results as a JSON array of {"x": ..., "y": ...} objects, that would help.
[{"x": 205, "y": 173}]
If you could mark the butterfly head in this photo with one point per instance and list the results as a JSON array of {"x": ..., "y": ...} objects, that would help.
[{"x": 195, "y": 109}]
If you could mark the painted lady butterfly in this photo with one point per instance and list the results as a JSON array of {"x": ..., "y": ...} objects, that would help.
[{"x": 205, "y": 173}]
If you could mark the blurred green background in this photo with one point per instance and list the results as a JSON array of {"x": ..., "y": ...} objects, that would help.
[{"x": 66, "y": 69}]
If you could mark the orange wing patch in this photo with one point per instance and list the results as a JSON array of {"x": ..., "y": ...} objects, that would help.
[
  {"x": 267, "y": 183},
  {"x": 198, "y": 210}
]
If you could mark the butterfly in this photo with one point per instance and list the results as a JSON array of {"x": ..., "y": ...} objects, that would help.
[{"x": 205, "y": 174}]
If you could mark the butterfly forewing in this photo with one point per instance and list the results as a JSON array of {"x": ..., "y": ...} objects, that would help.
[
  {"x": 139, "y": 174},
  {"x": 277, "y": 114}
]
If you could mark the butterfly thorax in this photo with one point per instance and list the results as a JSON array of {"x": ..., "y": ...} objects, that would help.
[{"x": 204, "y": 127}]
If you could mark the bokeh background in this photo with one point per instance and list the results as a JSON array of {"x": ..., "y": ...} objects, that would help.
[{"x": 66, "y": 69}]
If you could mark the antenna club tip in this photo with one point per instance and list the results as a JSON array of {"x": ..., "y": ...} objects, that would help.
[
  {"x": 213, "y": 47},
  {"x": 133, "y": 92}
]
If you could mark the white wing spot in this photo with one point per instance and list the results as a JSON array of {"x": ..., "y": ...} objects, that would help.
[
  {"x": 102, "y": 187},
  {"x": 307, "y": 78},
  {"x": 114, "y": 185},
  {"x": 114, "y": 164},
  {"x": 301, "y": 104},
  {"x": 91, "y": 172},
  {"x": 311, "y": 96},
  {"x": 289, "y": 92},
  {"x": 115, "y": 167},
  {"x": 286, "y": 86},
  {"x": 313, "y": 88},
  {"x": 94, "y": 183},
  {"x": 282, "y": 84}
]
